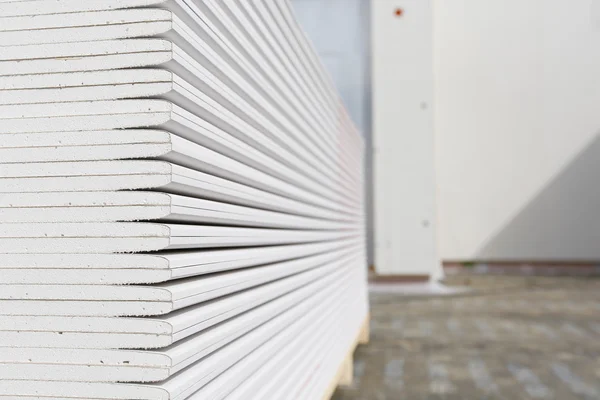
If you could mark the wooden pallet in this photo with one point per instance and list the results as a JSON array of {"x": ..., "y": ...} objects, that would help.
[{"x": 345, "y": 373}]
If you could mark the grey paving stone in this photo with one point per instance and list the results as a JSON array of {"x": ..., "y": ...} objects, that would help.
[{"x": 510, "y": 339}]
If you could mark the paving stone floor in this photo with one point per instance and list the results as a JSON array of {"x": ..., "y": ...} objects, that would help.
[{"x": 511, "y": 338}]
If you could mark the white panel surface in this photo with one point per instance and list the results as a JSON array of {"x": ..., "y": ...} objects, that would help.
[
  {"x": 403, "y": 157},
  {"x": 518, "y": 130}
]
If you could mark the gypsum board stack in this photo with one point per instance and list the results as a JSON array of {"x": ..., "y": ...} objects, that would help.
[
  {"x": 204, "y": 19},
  {"x": 212, "y": 70},
  {"x": 264, "y": 342},
  {"x": 27, "y": 89},
  {"x": 110, "y": 332},
  {"x": 139, "y": 113},
  {"x": 121, "y": 237},
  {"x": 181, "y": 202},
  {"x": 300, "y": 52},
  {"x": 151, "y": 365},
  {"x": 158, "y": 299},
  {"x": 156, "y": 267}
]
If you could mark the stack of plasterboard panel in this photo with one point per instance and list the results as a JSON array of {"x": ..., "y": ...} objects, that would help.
[{"x": 180, "y": 203}]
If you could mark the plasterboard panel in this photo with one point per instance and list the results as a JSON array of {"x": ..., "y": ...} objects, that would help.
[
  {"x": 151, "y": 332},
  {"x": 154, "y": 365},
  {"x": 115, "y": 237},
  {"x": 255, "y": 58},
  {"x": 107, "y": 269},
  {"x": 42, "y": 7},
  {"x": 131, "y": 144},
  {"x": 251, "y": 24},
  {"x": 114, "y": 84},
  {"x": 180, "y": 293},
  {"x": 183, "y": 291},
  {"x": 136, "y": 206},
  {"x": 182, "y": 8},
  {"x": 101, "y": 25},
  {"x": 194, "y": 14},
  {"x": 189, "y": 380},
  {"x": 281, "y": 372},
  {"x": 104, "y": 86},
  {"x": 219, "y": 387},
  {"x": 278, "y": 375},
  {"x": 308, "y": 58},
  {"x": 50, "y": 58},
  {"x": 128, "y": 175},
  {"x": 193, "y": 41},
  {"x": 141, "y": 113}
]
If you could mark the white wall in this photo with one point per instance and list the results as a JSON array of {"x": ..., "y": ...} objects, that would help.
[
  {"x": 403, "y": 158},
  {"x": 517, "y": 91}
]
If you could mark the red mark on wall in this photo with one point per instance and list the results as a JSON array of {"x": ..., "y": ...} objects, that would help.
[{"x": 398, "y": 12}]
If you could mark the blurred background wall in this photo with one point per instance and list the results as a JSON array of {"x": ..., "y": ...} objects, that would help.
[
  {"x": 516, "y": 118},
  {"x": 517, "y": 122}
]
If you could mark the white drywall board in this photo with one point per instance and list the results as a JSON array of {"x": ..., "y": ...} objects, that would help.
[
  {"x": 146, "y": 366},
  {"x": 40, "y": 7},
  {"x": 242, "y": 38},
  {"x": 127, "y": 175},
  {"x": 91, "y": 145},
  {"x": 318, "y": 378},
  {"x": 125, "y": 144},
  {"x": 158, "y": 331},
  {"x": 326, "y": 326},
  {"x": 91, "y": 138},
  {"x": 403, "y": 139},
  {"x": 87, "y": 145},
  {"x": 123, "y": 269},
  {"x": 118, "y": 237},
  {"x": 248, "y": 71},
  {"x": 141, "y": 113},
  {"x": 282, "y": 370},
  {"x": 295, "y": 369},
  {"x": 138, "y": 206},
  {"x": 254, "y": 16},
  {"x": 88, "y": 176},
  {"x": 272, "y": 335},
  {"x": 189, "y": 380},
  {"x": 245, "y": 68},
  {"x": 12, "y": 8},
  {"x": 87, "y": 86},
  {"x": 276, "y": 19},
  {"x": 223, "y": 384},
  {"x": 100, "y": 25},
  {"x": 251, "y": 136},
  {"x": 55, "y": 21},
  {"x": 307, "y": 55},
  {"x": 90, "y": 56},
  {"x": 152, "y": 365},
  {"x": 279, "y": 370},
  {"x": 181, "y": 292},
  {"x": 136, "y": 301},
  {"x": 192, "y": 14},
  {"x": 103, "y": 85},
  {"x": 86, "y": 206},
  {"x": 189, "y": 126},
  {"x": 116, "y": 175},
  {"x": 327, "y": 363}
]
